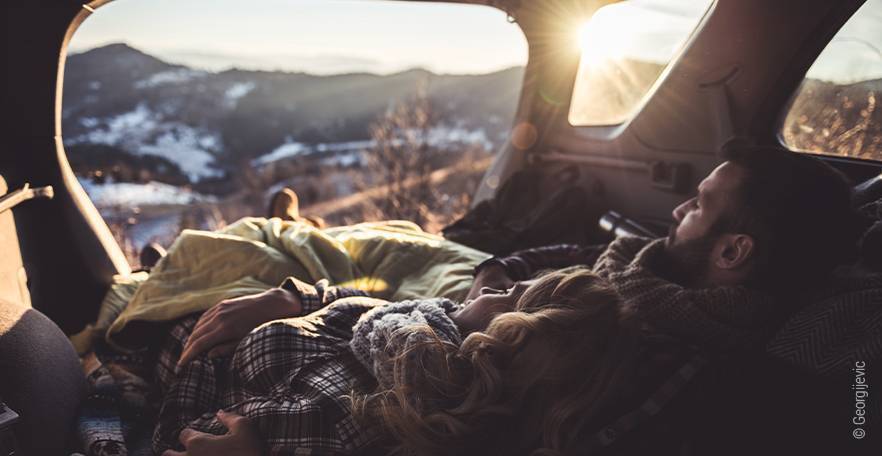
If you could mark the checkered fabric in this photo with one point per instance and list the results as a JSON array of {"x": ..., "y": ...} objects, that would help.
[{"x": 289, "y": 377}]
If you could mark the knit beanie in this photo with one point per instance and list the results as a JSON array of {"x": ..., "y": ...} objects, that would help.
[{"x": 374, "y": 345}]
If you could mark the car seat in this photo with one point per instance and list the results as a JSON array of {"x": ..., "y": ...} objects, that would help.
[{"x": 40, "y": 375}]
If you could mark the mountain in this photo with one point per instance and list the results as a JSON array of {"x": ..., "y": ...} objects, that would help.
[{"x": 202, "y": 125}]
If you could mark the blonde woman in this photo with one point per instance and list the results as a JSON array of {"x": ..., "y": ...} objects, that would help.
[
  {"x": 525, "y": 370},
  {"x": 536, "y": 372}
]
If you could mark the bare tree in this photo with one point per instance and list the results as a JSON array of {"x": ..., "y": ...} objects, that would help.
[{"x": 401, "y": 161}]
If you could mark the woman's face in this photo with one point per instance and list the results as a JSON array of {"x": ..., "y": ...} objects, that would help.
[{"x": 477, "y": 313}]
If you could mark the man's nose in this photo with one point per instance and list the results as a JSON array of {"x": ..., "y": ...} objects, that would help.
[{"x": 680, "y": 211}]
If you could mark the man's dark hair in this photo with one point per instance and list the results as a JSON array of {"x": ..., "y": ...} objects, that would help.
[{"x": 798, "y": 210}]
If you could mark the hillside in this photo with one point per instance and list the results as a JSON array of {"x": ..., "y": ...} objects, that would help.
[{"x": 206, "y": 124}]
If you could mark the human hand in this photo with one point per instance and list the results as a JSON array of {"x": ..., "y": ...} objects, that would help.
[
  {"x": 241, "y": 440},
  {"x": 492, "y": 276},
  {"x": 221, "y": 327}
]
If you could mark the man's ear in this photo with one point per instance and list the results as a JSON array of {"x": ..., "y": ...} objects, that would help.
[{"x": 734, "y": 252}]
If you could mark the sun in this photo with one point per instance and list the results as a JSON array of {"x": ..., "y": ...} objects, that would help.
[{"x": 602, "y": 37}]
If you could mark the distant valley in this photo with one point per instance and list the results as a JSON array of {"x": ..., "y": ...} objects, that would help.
[{"x": 166, "y": 122}]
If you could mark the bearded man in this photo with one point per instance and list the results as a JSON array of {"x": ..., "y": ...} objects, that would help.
[{"x": 764, "y": 226}]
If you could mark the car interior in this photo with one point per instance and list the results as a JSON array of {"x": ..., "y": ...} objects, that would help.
[{"x": 732, "y": 82}]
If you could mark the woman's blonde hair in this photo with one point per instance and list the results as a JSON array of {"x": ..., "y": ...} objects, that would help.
[{"x": 531, "y": 383}]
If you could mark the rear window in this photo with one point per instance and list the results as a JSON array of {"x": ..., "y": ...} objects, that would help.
[
  {"x": 625, "y": 48},
  {"x": 836, "y": 109},
  {"x": 190, "y": 114}
]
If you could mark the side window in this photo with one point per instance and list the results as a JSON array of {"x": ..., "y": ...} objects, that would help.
[
  {"x": 625, "y": 48},
  {"x": 836, "y": 109},
  {"x": 192, "y": 113}
]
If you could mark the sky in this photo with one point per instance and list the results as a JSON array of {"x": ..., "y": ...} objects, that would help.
[
  {"x": 855, "y": 53},
  {"x": 315, "y": 36},
  {"x": 336, "y": 36},
  {"x": 651, "y": 30}
]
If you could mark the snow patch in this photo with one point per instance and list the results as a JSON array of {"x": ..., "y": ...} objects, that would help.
[
  {"x": 345, "y": 146},
  {"x": 152, "y": 193},
  {"x": 350, "y": 152},
  {"x": 289, "y": 149},
  {"x": 90, "y": 122},
  {"x": 449, "y": 136},
  {"x": 237, "y": 91},
  {"x": 346, "y": 159},
  {"x": 176, "y": 76},
  {"x": 182, "y": 146},
  {"x": 143, "y": 132},
  {"x": 120, "y": 127},
  {"x": 210, "y": 142}
]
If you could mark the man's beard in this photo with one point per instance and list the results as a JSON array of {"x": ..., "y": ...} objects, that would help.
[{"x": 686, "y": 262}]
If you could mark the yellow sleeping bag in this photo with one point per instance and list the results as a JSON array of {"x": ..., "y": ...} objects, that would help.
[{"x": 392, "y": 260}]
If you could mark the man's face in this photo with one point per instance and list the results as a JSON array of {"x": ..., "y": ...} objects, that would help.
[
  {"x": 692, "y": 240},
  {"x": 695, "y": 218}
]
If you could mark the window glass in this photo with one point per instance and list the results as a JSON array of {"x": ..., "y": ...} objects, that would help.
[
  {"x": 190, "y": 114},
  {"x": 836, "y": 109},
  {"x": 625, "y": 47}
]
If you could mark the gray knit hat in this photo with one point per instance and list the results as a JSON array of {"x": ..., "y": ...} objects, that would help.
[{"x": 373, "y": 343}]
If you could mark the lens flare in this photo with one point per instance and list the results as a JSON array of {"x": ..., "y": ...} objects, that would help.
[{"x": 603, "y": 37}]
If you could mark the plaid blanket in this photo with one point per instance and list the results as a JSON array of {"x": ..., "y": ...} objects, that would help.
[{"x": 290, "y": 377}]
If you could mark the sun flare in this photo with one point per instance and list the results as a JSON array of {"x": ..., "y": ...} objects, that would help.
[{"x": 602, "y": 37}]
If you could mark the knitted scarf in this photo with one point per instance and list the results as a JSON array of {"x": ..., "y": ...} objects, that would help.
[{"x": 733, "y": 318}]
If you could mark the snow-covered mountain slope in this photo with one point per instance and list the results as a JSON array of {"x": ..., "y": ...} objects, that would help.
[{"x": 208, "y": 124}]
